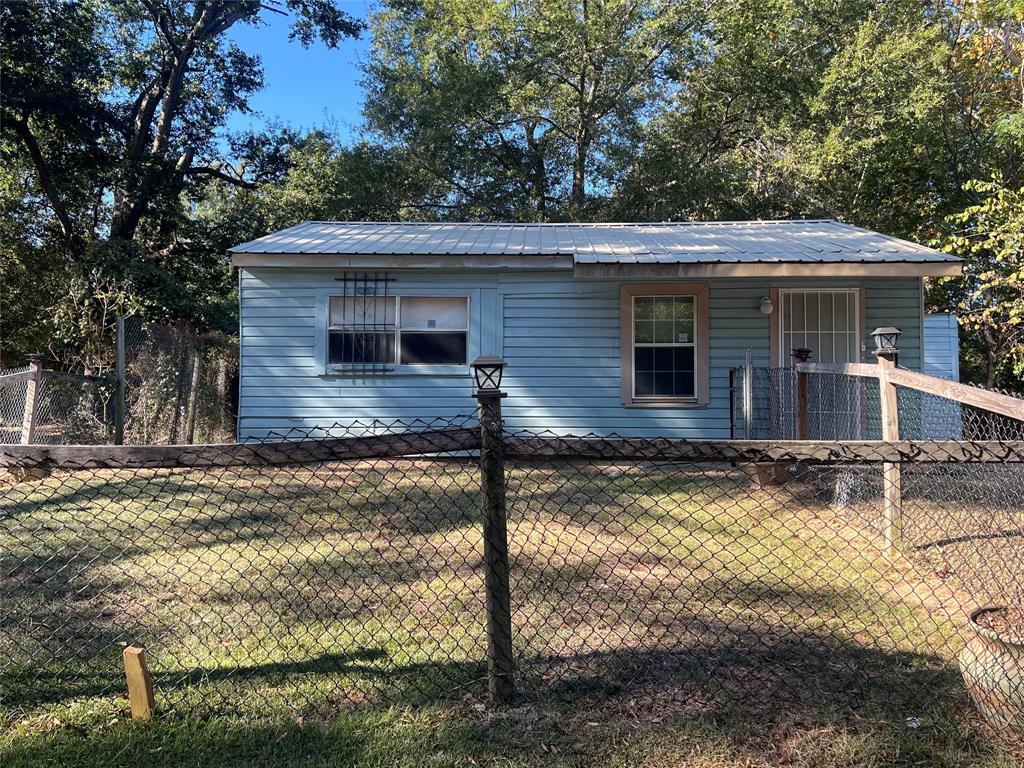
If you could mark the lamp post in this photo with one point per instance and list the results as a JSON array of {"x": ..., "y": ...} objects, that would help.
[
  {"x": 886, "y": 340},
  {"x": 487, "y": 370}
]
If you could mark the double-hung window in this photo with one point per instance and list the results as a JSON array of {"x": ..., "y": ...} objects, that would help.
[
  {"x": 386, "y": 331},
  {"x": 664, "y": 344}
]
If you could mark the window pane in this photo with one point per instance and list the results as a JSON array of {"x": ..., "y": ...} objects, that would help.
[
  {"x": 351, "y": 348},
  {"x": 663, "y": 383},
  {"x": 443, "y": 313},
  {"x": 683, "y": 359},
  {"x": 644, "y": 384},
  {"x": 644, "y": 331},
  {"x": 362, "y": 311},
  {"x": 433, "y": 348},
  {"x": 684, "y": 332},
  {"x": 663, "y": 358},
  {"x": 684, "y": 307},
  {"x": 664, "y": 372},
  {"x": 644, "y": 359},
  {"x": 685, "y": 385},
  {"x": 643, "y": 308},
  {"x": 663, "y": 331}
]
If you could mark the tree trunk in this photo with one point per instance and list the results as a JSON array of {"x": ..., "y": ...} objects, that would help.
[
  {"x": 578, "y": 195},
  {"x": 538, "y": 172}
]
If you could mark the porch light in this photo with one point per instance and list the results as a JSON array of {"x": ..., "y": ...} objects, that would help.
[
  {"x": 487, "y": 369},
  {"x": 766, "y": 306},
  {"x": 886, "y": 339}
]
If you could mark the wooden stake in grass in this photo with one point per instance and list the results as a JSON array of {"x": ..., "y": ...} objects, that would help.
[{"x": 140, "y": 684}]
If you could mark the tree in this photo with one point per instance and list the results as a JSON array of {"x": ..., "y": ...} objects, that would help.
[
  {"x": 133, "y": 94},
  {"x": 989, "y": 296},
  {"x": 518, "y": 107},
  {"x": 116, "y": 112},
  {"x": 875, "y": 113}
]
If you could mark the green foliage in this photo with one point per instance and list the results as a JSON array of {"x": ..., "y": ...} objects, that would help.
[
  {"x": 885, "y": 114},
  {"x": 109, "y": 132},
  {"x": 521, "y": 110},
  {"x": 989, "y": 297}
]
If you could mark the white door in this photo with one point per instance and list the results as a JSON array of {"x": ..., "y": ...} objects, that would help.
[{"x": 827, "y": 322}]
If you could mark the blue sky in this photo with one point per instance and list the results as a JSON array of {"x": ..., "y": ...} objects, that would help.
[{"x": 304, "y": 87}]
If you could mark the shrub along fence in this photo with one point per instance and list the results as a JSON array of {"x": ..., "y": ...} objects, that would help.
[
  {"x": 412, "y": 561},
  {"x": 150, "y": 384}
]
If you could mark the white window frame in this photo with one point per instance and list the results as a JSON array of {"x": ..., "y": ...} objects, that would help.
[
  {"x": 396, "y": 366},
  {"x": 401, "y": 330},
  {"x": 856, "y": 295}
]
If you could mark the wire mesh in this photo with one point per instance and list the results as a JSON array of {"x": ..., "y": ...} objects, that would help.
[
  {"x": 298, "y": 585},
  {"x": 840, "y": 407},
  {"x": 694, "y": 577},
  {"x": 12, "y": 407}
]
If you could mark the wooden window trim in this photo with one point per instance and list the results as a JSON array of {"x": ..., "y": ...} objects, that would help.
[{"x": 702, "y": 371}]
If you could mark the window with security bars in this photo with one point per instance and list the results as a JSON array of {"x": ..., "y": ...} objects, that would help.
[
  {"x": 664, "y": 347},
  {"x": 398, "y": 330}
]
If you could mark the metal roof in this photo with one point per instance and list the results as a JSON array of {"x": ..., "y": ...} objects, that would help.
[{"x": 816, "y": 241}]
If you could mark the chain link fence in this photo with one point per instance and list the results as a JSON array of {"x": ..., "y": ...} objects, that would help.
[
  {"x": 300, "y": 575},
  {"x": 180, "y": 388},
  {"x": 843, "y": 407}
]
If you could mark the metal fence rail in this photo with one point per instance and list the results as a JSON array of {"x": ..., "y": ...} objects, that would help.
[{"x": 370, "y": 566}]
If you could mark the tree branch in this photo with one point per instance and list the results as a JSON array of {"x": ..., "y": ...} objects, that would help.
[
  {"x": 21, "y": 128},
  {"x": 207, "y": 170}
]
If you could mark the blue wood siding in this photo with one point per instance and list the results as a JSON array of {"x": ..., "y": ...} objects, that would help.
[
  {"x": 941, "y": 346},
  {"x": 559, "y": 334}
]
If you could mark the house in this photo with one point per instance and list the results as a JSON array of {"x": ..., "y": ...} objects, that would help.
[{"x": 629, "y": 329}]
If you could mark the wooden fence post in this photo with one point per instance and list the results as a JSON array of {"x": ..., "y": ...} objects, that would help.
[
  {"x": 140, "y": 684},
  {"x": 892, "y": 505},
  {"x": 33, "y": 385},
  {"x": 803, "y": 419},
  {"x": 500, "y": 680}
]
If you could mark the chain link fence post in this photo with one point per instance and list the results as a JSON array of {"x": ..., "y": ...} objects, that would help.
[
  {"x": 119, "y": 395},
  {"x": 500, "y": 681}
]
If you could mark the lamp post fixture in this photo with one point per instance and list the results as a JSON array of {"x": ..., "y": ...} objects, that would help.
[
  {"x": 487, "y": 369},
  {"x": 886, "y": 340}
]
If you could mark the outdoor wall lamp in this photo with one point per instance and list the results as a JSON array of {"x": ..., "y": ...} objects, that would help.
[
  {"x": 886, "y": 339},
  {"x": 766, "y": 306},
  {"x": 487, "y": 370}
]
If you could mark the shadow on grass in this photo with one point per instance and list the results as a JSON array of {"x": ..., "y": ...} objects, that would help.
[{"x": 646, "y": 707}]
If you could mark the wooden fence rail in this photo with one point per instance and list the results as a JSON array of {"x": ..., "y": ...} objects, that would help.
[
  {"x": 34, "y": 378},
  {"x": 239, "y": 454},
  {"x": 890, "y": 377}
]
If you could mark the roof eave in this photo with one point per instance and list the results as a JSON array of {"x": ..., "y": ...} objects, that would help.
[
  {"x": 771, "y": 269},
  {"x": 401, "y": 261}
]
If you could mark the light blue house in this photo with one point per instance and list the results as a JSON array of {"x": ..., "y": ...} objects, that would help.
[{"x": 607, "y": 328}]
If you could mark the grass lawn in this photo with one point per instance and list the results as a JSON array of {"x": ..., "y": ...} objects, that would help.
[{"x": 333, "y": 615}]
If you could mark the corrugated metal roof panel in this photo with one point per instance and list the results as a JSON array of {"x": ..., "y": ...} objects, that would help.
[{"x": 809, "y": 241}]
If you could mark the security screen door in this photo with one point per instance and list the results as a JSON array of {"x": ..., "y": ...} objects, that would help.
[{"x": 826, "y": 321}]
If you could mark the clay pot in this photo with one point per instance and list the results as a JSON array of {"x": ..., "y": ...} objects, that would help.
[{"x": 992, "y": 666}]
